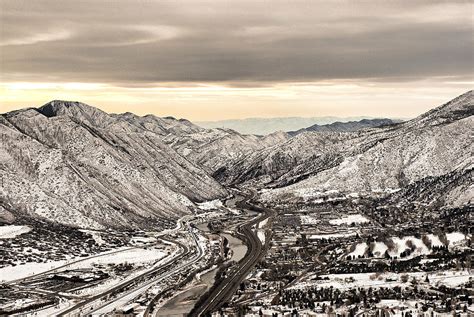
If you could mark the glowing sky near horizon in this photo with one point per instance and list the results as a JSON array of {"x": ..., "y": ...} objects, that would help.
[{"x": 237, "y": 59}]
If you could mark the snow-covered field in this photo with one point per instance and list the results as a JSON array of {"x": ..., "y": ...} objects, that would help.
[
  {"x": 332, "y": 235},
  {"x": 11, "y": 231},
  {"x": 209, "y": 205},
  {"x": 455, "y": 237},
  {"x": 359, "y": 250},
  {"x": 11, "y": 273},
  {"x": 142, "y": 240},
  {"x": 308, "y": 220},
  {"x": 365, "y": 280},
  {"x": 355, "y": 218},
  {"x": 132, "y": 256},
  {"x": 398, "y": 245}
]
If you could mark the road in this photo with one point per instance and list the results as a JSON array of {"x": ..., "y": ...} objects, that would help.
[
  {"x": 168, "y": 271},
  {"x": 66, "y": 265},
  {"x": 145, "y": 276},
  {"x": 223, "y": 292},
  {"x": 194, "y": 260}
]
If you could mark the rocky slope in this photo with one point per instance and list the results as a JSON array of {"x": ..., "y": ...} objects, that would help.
[
  {"x": 207, "y": 148},
  {"x": 213, "y": 148},
  {"x": 430, "y": 146},
  {"x": 77, "y": 165}
]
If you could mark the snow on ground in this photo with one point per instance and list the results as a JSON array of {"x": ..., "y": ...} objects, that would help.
[
  {"x": 355, "y": 218},
  {"x": 359, "y": 250},
  {"x": 261, "y": 235},
  {"x": 316, "y": 195},
  {"x": 435, "y": 241},
  {"x": 107, "y": 284},
  {"x": 133, "y": 256},
  {"x": 409, "y": 242},
  {"x": 10, "y": 273},
  {"x": 211, "y": 204},
  {"x": 365, "y": 280},
  {"x": 142, "y": 240},
  {"x": 263, "y": 223},
  {"x": 234, "y": 211},
  {"x": 455, "y": 237},
  {"x": 379, "y": 249},
  {"x": 95, "y": 235},
  {"x": 308, "y": 220},
  {"x": 11, "y": 231},
  {"x": 331, "y": 235}
]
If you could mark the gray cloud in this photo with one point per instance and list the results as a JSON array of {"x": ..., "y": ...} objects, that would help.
[{"x": 239, "y": 43}]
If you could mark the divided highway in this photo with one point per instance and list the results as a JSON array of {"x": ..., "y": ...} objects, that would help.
[
  {"x": 224, "y": 291},
  {"x": 146, "y": 279}
]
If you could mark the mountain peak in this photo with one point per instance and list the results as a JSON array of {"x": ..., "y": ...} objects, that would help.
[
  {"x": 62, "y": 107},
  {"x": 456, "y": 109}
]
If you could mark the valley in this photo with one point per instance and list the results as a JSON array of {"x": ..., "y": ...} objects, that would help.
[{"x": 121, "y": 215}]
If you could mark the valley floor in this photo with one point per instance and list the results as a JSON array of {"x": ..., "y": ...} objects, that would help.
[{"x": 245, "y": 256}]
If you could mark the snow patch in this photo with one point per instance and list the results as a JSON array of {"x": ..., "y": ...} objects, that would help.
[
  {"x": 356, "y": 218},
  {"x": 455, "y": 237},
  {"x": 331, "y": 235},
  {"x": 11, "y": 231},
  {"x": 211, "y": 204},
  {"x": 308, "y": 220}
]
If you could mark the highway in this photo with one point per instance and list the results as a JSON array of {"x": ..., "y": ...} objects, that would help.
[
  {"x": 195, "y": 259},
  {"x": 223, "y": 292},
  {"x": 108, "y": 300},
  {"x": 66, "y": 265},
  {"x": 148, "y": 275},
  {"x": 167, "y": 272}
]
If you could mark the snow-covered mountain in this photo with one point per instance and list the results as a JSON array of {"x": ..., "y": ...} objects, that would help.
[
  {"x": 350, "y": 126},
  {"x": 264, "y": 126},
  {"x": 75, "y": 164},
  {"x": 212, "y": 148},
  {"x": 432, "y": 146}
]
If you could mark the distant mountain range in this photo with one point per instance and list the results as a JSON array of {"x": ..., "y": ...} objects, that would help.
[
  {"x": 263, "y": 126},
  {"x": 350, "y": 126},
  {"x": 74, "y": 164}
]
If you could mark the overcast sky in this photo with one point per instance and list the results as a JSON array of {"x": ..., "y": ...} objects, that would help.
[{"x": 235, "y": 59}]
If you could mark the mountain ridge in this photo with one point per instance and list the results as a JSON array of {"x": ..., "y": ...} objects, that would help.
[
  {"x": 366, "y": 160},
  {"x": 116, "y": 173},
  {"x": 350, "y": 126},
  {"x": 264, "y": 126},
  {"x": 74, "y": 164}
]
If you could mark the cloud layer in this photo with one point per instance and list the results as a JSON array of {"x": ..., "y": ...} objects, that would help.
[{"x": 236, "y": 43}]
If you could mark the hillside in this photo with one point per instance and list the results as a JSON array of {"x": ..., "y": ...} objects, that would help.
[
  {"x": 432, "y": 145},
  {"x": 213, "y": 148},
  {"x": 74, "y": 164}
]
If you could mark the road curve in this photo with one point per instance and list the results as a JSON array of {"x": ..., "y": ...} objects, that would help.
[
  {"x": 145, "y": 275},
  {"x": 223, "y": 292}
]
